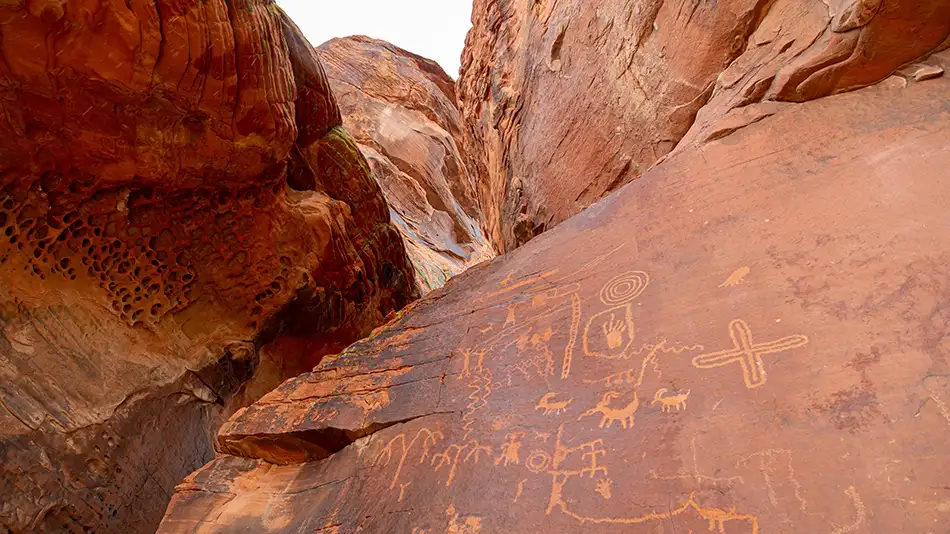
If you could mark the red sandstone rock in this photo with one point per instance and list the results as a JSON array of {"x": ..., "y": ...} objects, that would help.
[
  {"x": 401, "y": 110},
  {"x": 150, "y": 243},
  {"x": 805, "y": 50},
  {"x": 571, "y": 101},
  {"x": 749, "y": 339}
]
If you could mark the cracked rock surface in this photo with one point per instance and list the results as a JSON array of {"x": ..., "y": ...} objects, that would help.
[{"x": 751, "y": 338}]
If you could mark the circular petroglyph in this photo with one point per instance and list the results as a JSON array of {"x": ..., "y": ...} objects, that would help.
[
  {"x": 624, "y": 288},
  {"x": 538, "y": 461}
]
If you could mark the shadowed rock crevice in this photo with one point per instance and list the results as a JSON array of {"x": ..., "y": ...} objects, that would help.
[
  {"x": 302, "y": 446},
  {"x": 402, "y": 112}
]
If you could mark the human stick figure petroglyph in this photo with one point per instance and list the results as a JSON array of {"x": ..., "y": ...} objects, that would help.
[
  {"x": 615, "y": 324},
  {"x": 450, "y": 457},
  {"x": 509, "y": 450},
  {"x": 551, "y": 406},
  {"x": 747, "y": 353},
  {"x": 668, "y": 403},
  {"x": 429, "y": 439},
  {"x": 588, "y": 465},
  {"x": 544, "y": 306},
  {"x": 535, "y": 357},
  {"x": 610, "y": 415}
]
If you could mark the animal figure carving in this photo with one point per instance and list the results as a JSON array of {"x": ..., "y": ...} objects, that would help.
[
  {"x": 550, "y": 406},
  {"x": 610, "y": 415},
  {"x": 668, "y": 403},
  {"x": 736, "y": 278}
]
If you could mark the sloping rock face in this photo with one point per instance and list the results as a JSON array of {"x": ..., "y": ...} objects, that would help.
[
  {"x": 150, "y": 243},
  {"x": 401, "y": 110},
  {"x": 752, "y": 338},
  {"x": 571, "y": 101}
]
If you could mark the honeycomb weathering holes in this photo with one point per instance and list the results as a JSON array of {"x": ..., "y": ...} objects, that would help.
[{"x": 140, "y": 255}]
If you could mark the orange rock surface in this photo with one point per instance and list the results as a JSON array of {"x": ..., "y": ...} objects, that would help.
[
  {"x": 570, "y": 101},
  {"x": 176, "y": 191},
  {"x": 400, "y": 109},
  {"x": 751, "y": 338}
]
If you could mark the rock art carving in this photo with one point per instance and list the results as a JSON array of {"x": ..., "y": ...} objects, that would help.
[
  {"x": 736, "y": 278},
  {"x": 667, "y": 403},
  {"x": 748, "y": 354},
  {"x": 509, "y": 450},
  {"x": 451, "y": 456},
  {"x": 603, "y": 488},
  {"x": 610, "y": 415},
  {"x": 771, "y": 463},
  {"x": 483, "y": 368},
  {"x": 859, "y": 510},
  {"x": 610, "y": 333},
  {"x": 695, "y": 474},
  {"x": 425, "y": 438},
  {"x": 174, "y": 181},
  {"x": 550, "y": 406}
]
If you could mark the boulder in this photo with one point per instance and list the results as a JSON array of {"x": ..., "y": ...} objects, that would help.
[{"x": 176, "y": 193}]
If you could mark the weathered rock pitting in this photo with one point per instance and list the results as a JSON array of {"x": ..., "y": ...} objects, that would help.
[{"x": 152, "y": 240}]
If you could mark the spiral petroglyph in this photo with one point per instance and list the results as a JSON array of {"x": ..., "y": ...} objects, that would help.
[{"x": 624, "y": 288}]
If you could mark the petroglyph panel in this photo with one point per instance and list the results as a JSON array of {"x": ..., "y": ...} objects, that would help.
[{"x": 632, "y": 371}]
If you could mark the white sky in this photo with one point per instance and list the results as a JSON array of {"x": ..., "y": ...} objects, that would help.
[{"x": 431, "y": 28}]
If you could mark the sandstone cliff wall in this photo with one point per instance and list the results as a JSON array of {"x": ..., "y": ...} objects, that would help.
[
  {"x": 401, "y": 110},
  {"x": 571, "y": 100},
  {"x": 176, "y": 190}
]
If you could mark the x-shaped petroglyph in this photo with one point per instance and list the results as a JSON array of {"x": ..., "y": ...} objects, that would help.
[{"x": 747, "y": 353}]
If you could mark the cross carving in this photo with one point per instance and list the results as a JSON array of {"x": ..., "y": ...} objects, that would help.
[{"x": 747, "y": 353}]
